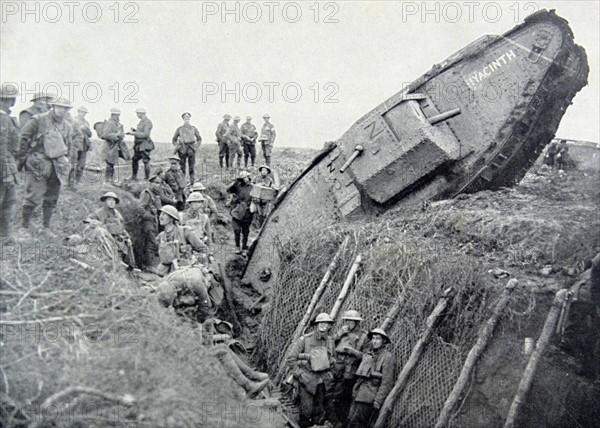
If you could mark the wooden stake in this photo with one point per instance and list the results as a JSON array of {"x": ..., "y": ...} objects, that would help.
[
  {"x": 485, "y": 335},
  {"x": 416, "y": 353},
  {"x": 392, "y": 314},
  {"x": 344, "y": 291},
  {"x": 542, "y": 343}
]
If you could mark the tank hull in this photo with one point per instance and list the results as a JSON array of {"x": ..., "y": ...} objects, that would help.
[{"x": 476, "y": 121}]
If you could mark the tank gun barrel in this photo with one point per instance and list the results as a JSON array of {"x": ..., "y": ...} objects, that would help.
[
  {"x": 357, "y": 151},
  {"x": 444, "y": 116}
]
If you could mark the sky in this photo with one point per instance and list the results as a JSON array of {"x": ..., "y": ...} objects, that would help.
[{"x": 315, "y": 67}]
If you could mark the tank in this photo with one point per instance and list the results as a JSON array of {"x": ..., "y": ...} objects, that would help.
[{"x": 476, "y": 121}]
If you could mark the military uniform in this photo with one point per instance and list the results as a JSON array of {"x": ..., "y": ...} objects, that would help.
[
  {"x": 83, "y": 128},
  {"x": 223, "y": 143},
  {"x": 112, "y": 134},
  {"x": 45, "y": 171},
  {"x": 199, "y": 222},
  {"x": 9, "y": 145},
  {"x": 314, "y": 386},
  {"x": 176, "y": 180},
  {"x": 176, "y": 247},
  {"x": 346, "y": 364},
  {"x": 240, "y": 212},
  {"x": 150, "y": 205},
  {"x": 29, "y": 112},
  {"x": 142, "y": 147},
  {"x": 267, "y": 139},
  {"x": 187, "y": 139},
  {"x": 234, "y": 142},
  {"x": 113, "y": 222},
  {"x": 372, "y": 387},
  {"x": 249, "y": 136}
]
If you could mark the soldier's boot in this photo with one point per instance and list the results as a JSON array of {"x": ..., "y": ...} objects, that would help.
[
  {"x": 47, "y": 216},
  {"x": 248, "y": 371},
  {"x": 134, "y": 170},
  {"x": 220, "y": 162},
  {"x": 26, "y": 215},
  {"x": 147, "y": 170},
  {"x": 252, "y": 388},
  {"x": 268, "y": 160}
]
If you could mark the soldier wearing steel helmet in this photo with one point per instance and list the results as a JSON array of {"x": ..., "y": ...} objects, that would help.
[
  {"x": 312, "y": 361},
  {"x": 114, "y": 147},
  {"x": 195, "y": 217},
  {"x": 234, "y": 142},
  {"x": 111, "y": 219},
  {"x": 187, "y": 140},
  {"x": 240, "y": 211},
  {"x": 9, "y": 144},
  {"x": 249, "y": 136},
  {"x": 40, "y": 105},
  {"x": 223, "y": 141},
  {"x": 46, "y": 144},
  {"x": 142, "y": 144},
  {"x": 177, "y": 246},
  {"x": 267, "y": 138},
  {"x": 83, "y": 127},
  {"x": 351, "y": 341},
  {"x": 375, "y": 379}
]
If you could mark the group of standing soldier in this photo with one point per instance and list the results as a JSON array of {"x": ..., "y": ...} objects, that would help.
[
  {"x": 235, "y": 142},
  {"x": 344, "y": 377}
]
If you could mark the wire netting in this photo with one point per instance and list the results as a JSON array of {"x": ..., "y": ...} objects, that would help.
[{"x": 393, "y": 269}]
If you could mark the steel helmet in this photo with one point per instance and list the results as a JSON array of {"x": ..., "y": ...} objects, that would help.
[
  {"x": 8, "y": 91},
  {"x": 155, "y": 175},
  {"x": 227, "y": 116},
  {"x": 323, "y": 317},
  {"x": 83, "y": 109},
  {"x": 171, "y": 211},
  {"x": 196, "y": 197},
  {"x": 248, "y": 117},
  {"x": 174, "y": 158},
  {"x": 244, "y": 174},
  {"x": 109, "y": 195},
  {"x": 140, "y": 110},
  {"x": 380, "y": 332},
  {"x": 265, "y": 167},
  {"x": 40, "y": 95},
  {"x": 115, "y": 110},
  {"x": 197, "y": 186},
  {"x": 61, "y": 102},
  {"x": 237, "y": 119},
  {"x": 352, "y": 315},
  {"x": 266, "y": 116}
]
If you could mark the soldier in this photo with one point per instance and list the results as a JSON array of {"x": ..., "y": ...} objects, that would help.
[
  {"x": 249, "y": 136},
  {"x": 83, "y": 126},
  {"x": 375, "y": 381},
  {"x": 240, "y": 211},
  {"x": 196, "y": 218},
  {"x": 262, "y": 206},
  {"x": 209, "y": 207},
  {"x": 223, "y": 142},
  {"x": 311, "y": 360},
  {"x": 111, "y": 219},
  {"x": 562, "y": 155},
  {"x": 150, "y": 204},
  {"x": 175, "y": 179},
  {"x": 176, "y": 244},
  {"x": 351, "y": 342},
  {"x": 267, "y": 138},
  {"x": 551, "y": 152},
  {"x": 9, "y": 144},
  {"x": 40, "y": 105},
  {"x": 162, "y": 189},
  {"x": 113, "y": 135},
  {"x": 233, "y": 136},
  {"x": 187, "y": 141},
  {"x": 142, "y": 144},
  {"x": 45, "y": 147}
]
